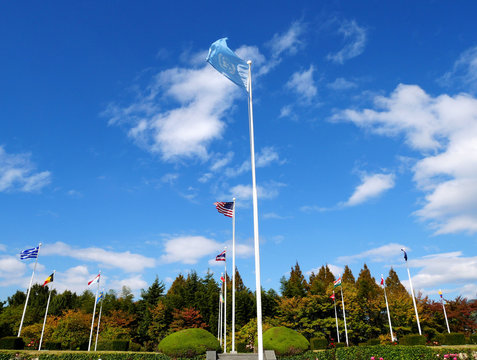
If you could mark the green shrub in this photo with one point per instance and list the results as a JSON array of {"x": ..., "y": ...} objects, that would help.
[
  {"x": 318, "y": 343},
  {"x": 135, "y": 347},
  {"x": 51, "y": 345},
  {"x": 373, "y": 342},
  {"x": 243, "y": 348},
  {"x": 453, "y": 339},
  {"x": 188, "y": 343},
  {"x": 340, "y": 344},
  {"x": 104, "y": 345},
  {"x": 439, "y": 339},
  {"x": 12, "y": 342},
  {"x": 473, "y": 339},
  {"x": 284, "y": 341},
  {"x": 412, "y": 340},
  {"x": 120, "y": 345}
]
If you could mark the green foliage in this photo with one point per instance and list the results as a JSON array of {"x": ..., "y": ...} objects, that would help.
[
  {"x": 12, "y": 342},
  {"x": 373, "y": 342},
  {"x": 188, "y": 343},
  {"x": 413, "y": 340},
  {"x": 473, "y": 339},
  {"x": 51, "y": 345},
  {"x": 318, "y": 343},
  {"x": 284, "y": 341},
  {"x": 120, "y": 345},
  {"x": 453, "y": 339}
]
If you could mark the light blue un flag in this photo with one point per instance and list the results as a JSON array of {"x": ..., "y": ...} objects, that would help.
[{"x": 226, "y": 62}]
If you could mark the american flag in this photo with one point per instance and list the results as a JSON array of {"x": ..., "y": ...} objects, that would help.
[
  {"x": 221, "y": 256},
  {"x": 226, "y": 208}
]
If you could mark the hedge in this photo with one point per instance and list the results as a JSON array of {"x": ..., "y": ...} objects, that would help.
[
  {"x": 12, "y": 342},
  {"x": 453, "y": 339},
  {"x": 85, "y": 355},
  {"x": 318, "y": 343},
  {"x": 284, "y": 341},
  {"x": 188, "y": 343},
  {"x": 412, "y": 340}
]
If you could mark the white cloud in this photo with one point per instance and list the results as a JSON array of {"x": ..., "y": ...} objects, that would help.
[
  {"x": 444, "y": 130},
  {"x": 335, "y": 270},
  {"x": 244, "y": 192},
  {"x": 302, "y": 84},
  {"x": 220, "y": 162},
  {"x": 134, "y": 283},
  {"x": 379, "y": 254},
  {"x": 11, "y": 266},
  {"x": 288, "y": 42},
  {"x": 17, "y": 173},
  {"x": 464, "y": 71},
  {"x": 445, "y": 269},
  {"x": 3, "y": 247},
  {"x": 189, "y": 249},
  {"x": 170, "y": 178},
  {"x": 342, "y": 84},
  {"x": 76, "y": 279},
  {"x": 370, "y": 187},
  {"x": 355, "y": 41},
  {"x": 263, "y": 158},
  {"x": 126, "y": 260}
]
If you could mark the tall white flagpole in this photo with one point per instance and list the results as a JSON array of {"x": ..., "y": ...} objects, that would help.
[
  {"x": 387, "y": 308},
  {"x": 28, "y": 292},
  {"x": 219, "y": 315},
  {"x": 413, "y": 299},
  {"x": 225, "y": 303},
  {"x": 336, "y": 318},
  {"x": 445, "y": 314},
  {"x": 344, "y": 312},
  {"x": 46, "y": 313},
  {"x": 94, "y": 312},
  {"x": 258, "y": 286},
  {"x": 233, "y": 280},
  {"x": 99, "y": 322}
]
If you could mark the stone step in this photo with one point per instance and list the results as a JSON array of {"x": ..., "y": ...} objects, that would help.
[{"x": 267, "y": 355}]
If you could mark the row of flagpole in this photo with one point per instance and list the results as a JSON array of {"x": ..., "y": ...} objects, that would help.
[{"x": 34, "y": 254}]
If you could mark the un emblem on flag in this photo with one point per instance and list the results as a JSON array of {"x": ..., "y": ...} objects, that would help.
[{"x": 226, "y": 65}]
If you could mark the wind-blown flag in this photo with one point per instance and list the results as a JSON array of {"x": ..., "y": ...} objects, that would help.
[
  {"x": 100, "y": 297},
  {"x": 221, "y": 256},
  {"x": 382, "y": 280},
  {"x": 332, "y": 296},
  {"x": 221, "y": 298},
  {"x": 226, "y": 208},
  {"x": 337, "y": 282},
  {"x": 405, "y": 255},
  {"x": 440, "y": 293},
  {"x": 29, "y": 253},
  {"x": 226, "y": 62},
  {"x": 49, "y": 279},
  {"x": 95, "y": 280},
  {"x": 222, "y": 278}
]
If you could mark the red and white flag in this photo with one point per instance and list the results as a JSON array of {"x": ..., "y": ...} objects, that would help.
[
  {"x": 332, "y": 296},
  {"x": 382, "y": 280},
  {"x": 95, "y": 280}
]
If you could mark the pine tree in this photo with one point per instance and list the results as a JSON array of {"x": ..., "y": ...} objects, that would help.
[
  {"x": 348, "y": 276},
  {"x": 296, "y": 285}
]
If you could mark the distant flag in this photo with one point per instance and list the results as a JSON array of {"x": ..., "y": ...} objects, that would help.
[
  {"x": 29, "y": 253},
  {"x": 382, "y": 280},
  {"x": 440, "y": 293},
  {"x": 405, "y": 255},
  {"x": 332, "y": 296},
  {"x": 49, "y": 279},
  {"x": 226, "y": 62},
  {"x": 222, "y": 278},
  {"x": 221, "y": 256},
  {"x": 221, "y": 298},
  {"x": 226, "y": 208},
  {"x": 95, "y": 280},
  {"x": 100, "y": 297},
  {"x": 337, "y": 282}
]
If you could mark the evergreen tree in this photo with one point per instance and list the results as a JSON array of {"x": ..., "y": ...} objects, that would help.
[
  {"x": 154, "y": 293},
  {"x": 296, "y": 285},
  {"x": 348, "y": 276}
]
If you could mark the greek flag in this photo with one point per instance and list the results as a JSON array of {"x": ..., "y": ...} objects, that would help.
[
  {"x": 29, "y": 253},
  {"x": 226, "y": 62}
]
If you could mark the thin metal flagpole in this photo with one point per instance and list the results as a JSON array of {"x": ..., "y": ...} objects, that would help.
[
  {"x": 94, "y": 312},
  {"x": 28, "y": 292},
  {"x": 387, "y": 309},
  {"x": 258, "y": 286},
  {"x": 99, "y": 322},
  {"x": 219, "y": 314},
  {"x": 46, "y": 312},
  {"x": 413, "y": 299},
  {"x": 336, "y": 318},
  {"x": 445, "y": 314},
  {"x": 344, "y": 312},
  {"x": 221, "y": 311},
  {"x": 225, "y": 303},
  {"x": 233, "y": 279}
]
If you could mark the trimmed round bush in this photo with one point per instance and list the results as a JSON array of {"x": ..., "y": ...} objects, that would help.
[
  {"x": 188, "y": 343},
  {"x": 284, "y": 341}
]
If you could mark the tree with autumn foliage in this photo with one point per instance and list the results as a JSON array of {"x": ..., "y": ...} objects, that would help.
[{"x": 185, "y": 319}]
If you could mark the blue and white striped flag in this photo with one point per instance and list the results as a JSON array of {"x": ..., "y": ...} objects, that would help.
[
  {"x": 226, "y": 62},
  {"x": 29, "y": 253}
]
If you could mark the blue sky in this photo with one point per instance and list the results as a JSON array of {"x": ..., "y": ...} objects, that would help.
[{"x": 116, "y": 138}]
